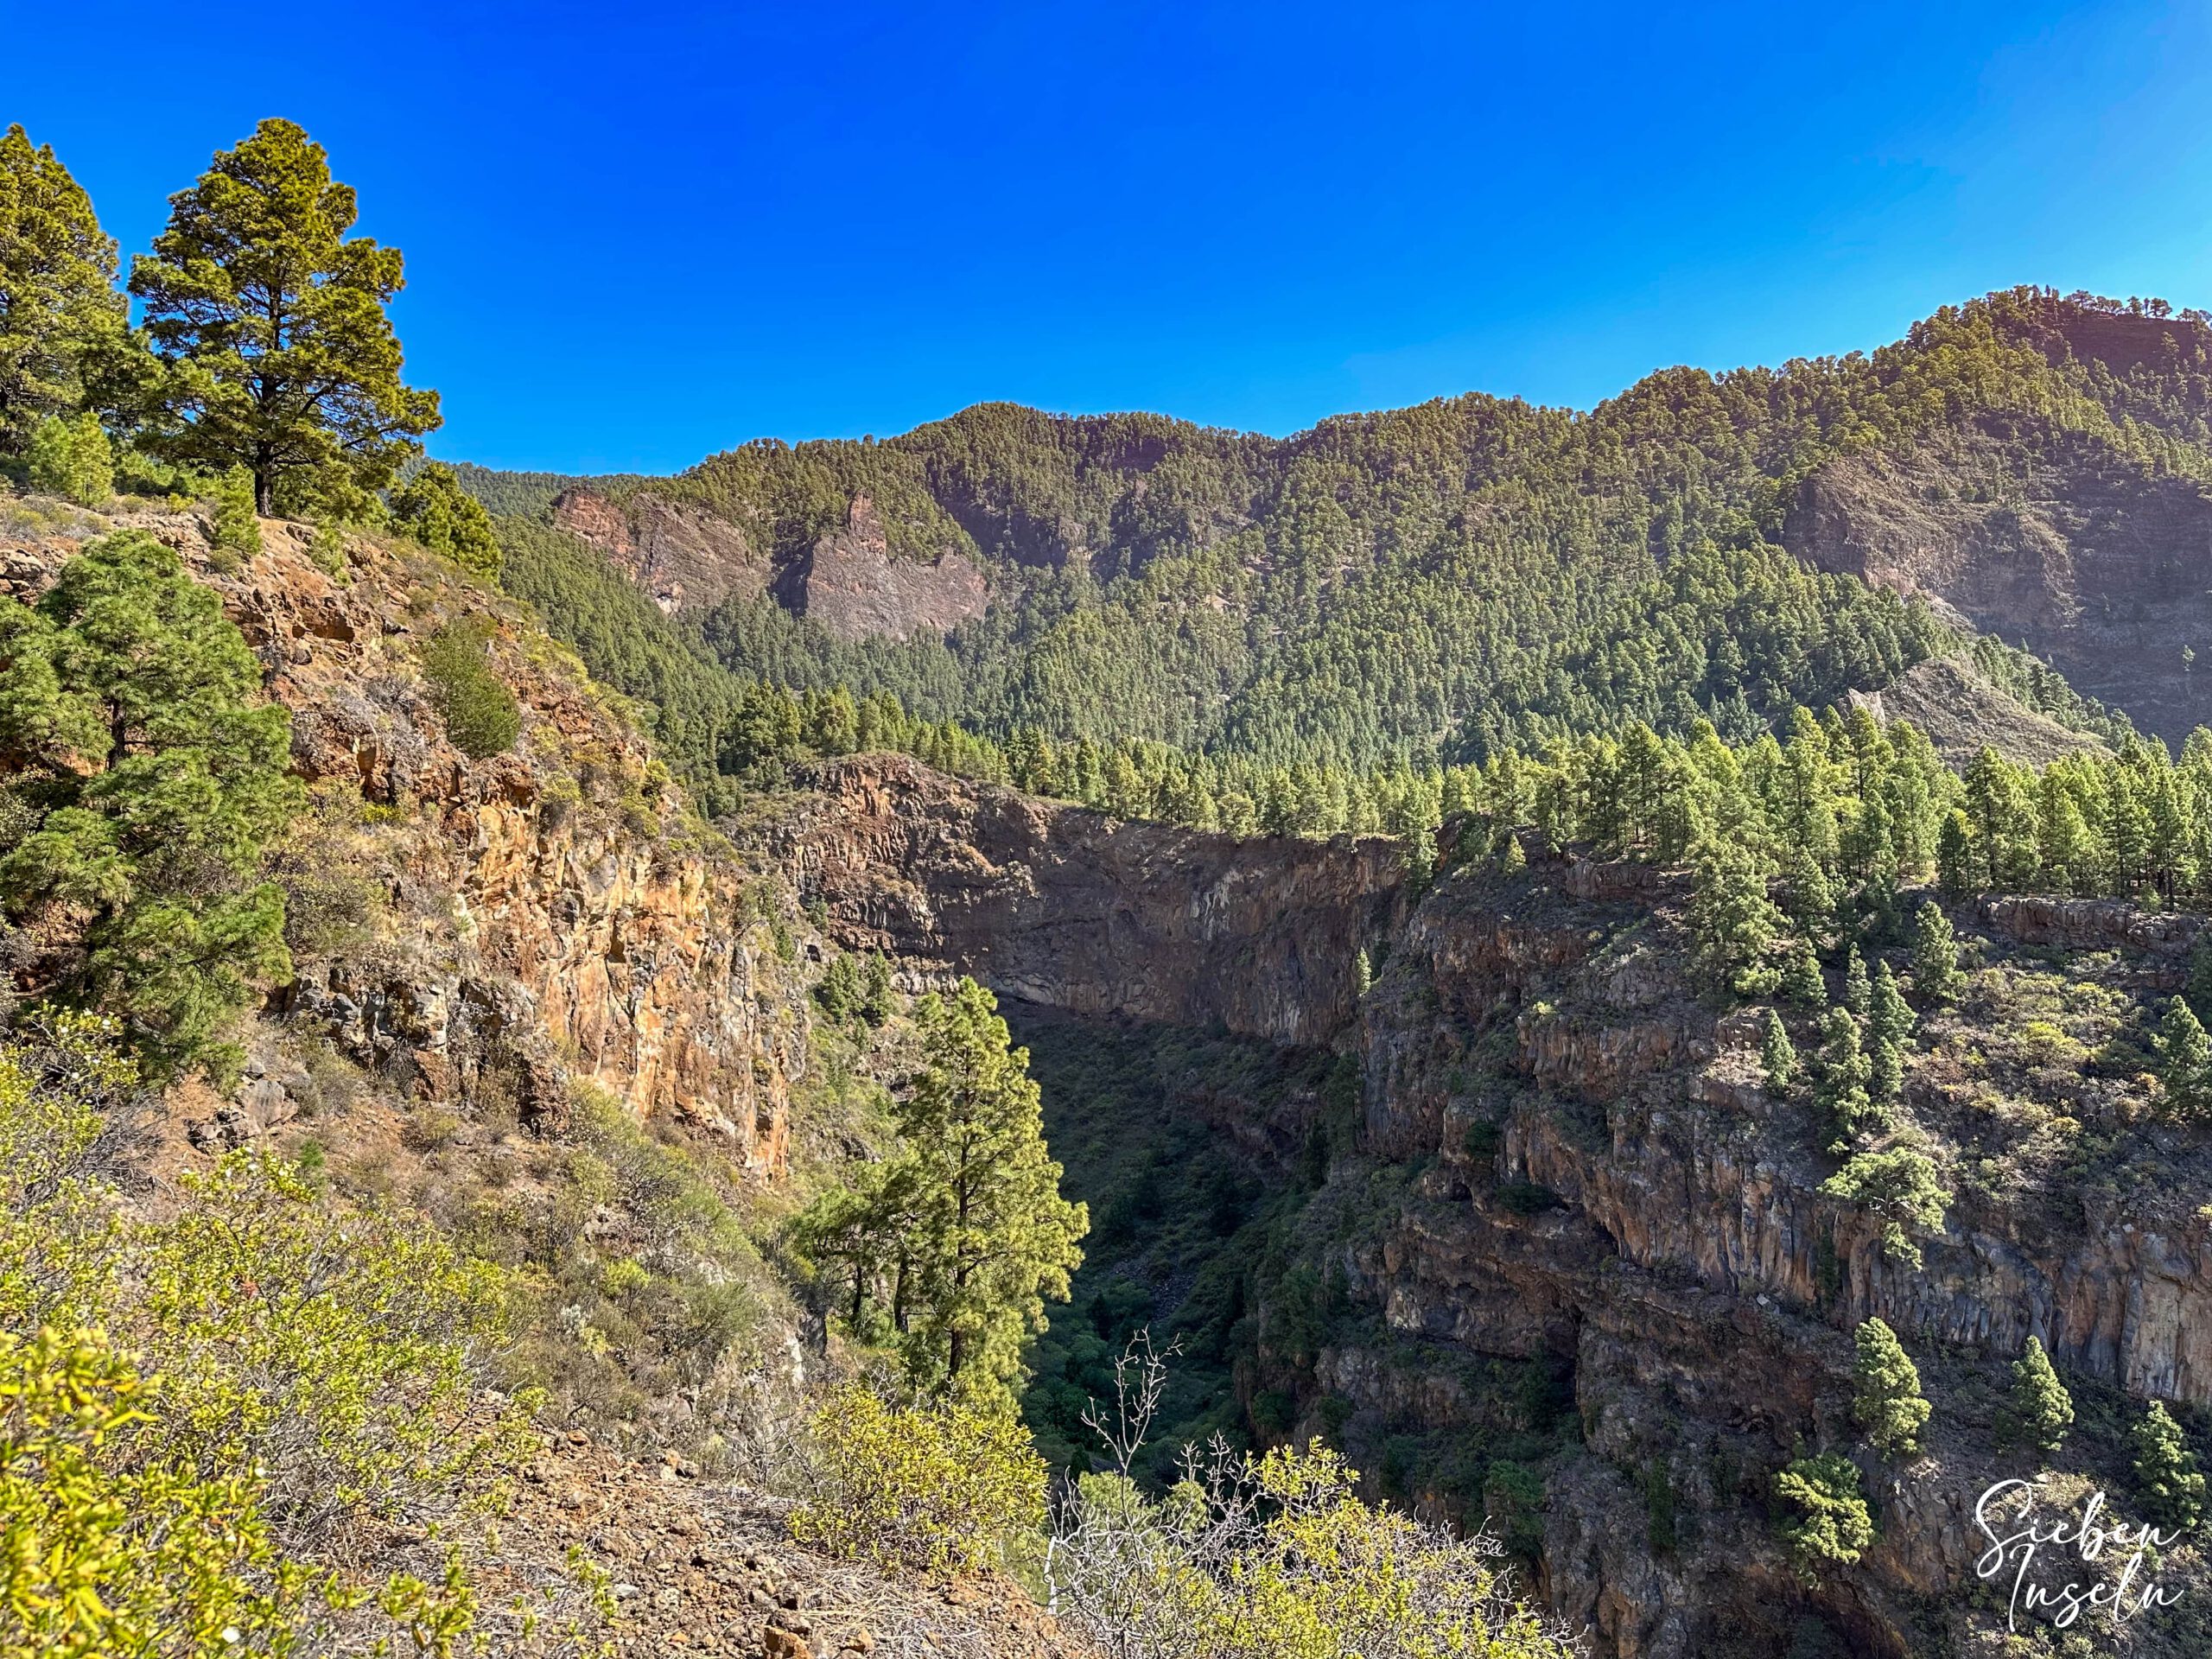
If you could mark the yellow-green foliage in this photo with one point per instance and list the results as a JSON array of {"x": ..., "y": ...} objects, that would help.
[
  {"x": 72, "y": 459},
  {"x": 105, "y": 1553},
  {"x": 335, "y": 1353},
  {"x": 1278, "y": 1558},
  {"x": 941, "y": 1486},
  {"x": 219, "y": 1398}
]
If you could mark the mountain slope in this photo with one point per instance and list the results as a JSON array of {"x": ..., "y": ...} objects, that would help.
[{"x": 1439, "y": 581}]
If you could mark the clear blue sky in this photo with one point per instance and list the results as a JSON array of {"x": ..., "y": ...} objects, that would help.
[{"x": 636, "y": 234}]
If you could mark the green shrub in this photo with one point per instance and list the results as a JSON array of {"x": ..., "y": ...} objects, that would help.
[
  {"x": 482, "y": 714},
  {"x": 72, "y": 459},
  {"x": 435, "y": 510},
  {"x": 1831, "y": 1525},
  {"x": 941, "y": 1487},
  {"x": 1900, "y": 1187},
  {"x": 238, "y": 526}
]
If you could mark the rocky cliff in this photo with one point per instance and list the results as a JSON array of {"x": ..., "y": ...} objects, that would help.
[
  {"x": 2054, "y": 540},
  {"x": 507, "y": 925},
  {"x": 847, "y": 579},
  {"x": 1074, "y": 909},
  {"x": 1570, "y": 1168}
]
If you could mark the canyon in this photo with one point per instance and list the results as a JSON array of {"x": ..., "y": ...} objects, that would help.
[{"x": 1582, "y": 1172}]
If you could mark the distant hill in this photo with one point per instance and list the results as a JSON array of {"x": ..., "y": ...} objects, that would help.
[{"x": 1436, "y": 582}]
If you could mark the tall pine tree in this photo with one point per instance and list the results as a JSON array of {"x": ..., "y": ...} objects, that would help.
[{"x": 272, "y": 320}]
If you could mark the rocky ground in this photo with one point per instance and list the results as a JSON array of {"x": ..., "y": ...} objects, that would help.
[{"x": 703, "y": 1566}]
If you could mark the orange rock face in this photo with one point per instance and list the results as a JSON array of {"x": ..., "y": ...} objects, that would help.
[{"x": 547, "y": 915}]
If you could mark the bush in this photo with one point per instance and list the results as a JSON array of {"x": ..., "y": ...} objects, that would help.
[
  {"x": 481, "y": 713},
  {"x": 1832, "y": 1526},
  {"x": 1900, "y": 1187},
  {"x": 436, "y": 512},
  {"x": 72, "y": 459},
  {"x": 238, "y": 525},
  {"x": 278, "y": 1386},
  {"x": 941, "y": 1487},
  {"x": 1277, "y": 1558},
  {"x": 104, "y": 1553}
]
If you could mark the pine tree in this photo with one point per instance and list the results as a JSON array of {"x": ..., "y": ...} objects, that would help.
[
  {"x": 1841, "y": 1076},
  {"x": 1362, "y": 972},
  {"x": 1888, "y": 1027},
  {"x": 1887, "y": 1402},
  {"x": 972, "y": 1206},
  {"x": 237, "y": 527},
  {"x": 2168, "y": 1487},
  {"x": 1958, "y": 857},
  {"x": 1732, "y": 921},
  {"x": 2198, "y": 991},
  {"x": 2040, "y": 1411},
  {"x": 280, "y": 359},
  {"x": 1778, "y": 1059},
  {"x": 1803, "y": 981},
  {"x": 1857, "y": 988},
  {"x": 60, "y": 313},
  {"x": 436, "y": 512},
  {"x": 156, "y": 778},
  {"x": 72, "y": 459},
  {"x": 1812, "y": 897},
  {"x": 2186, "y": 1061},
  {"x": 1830, "y": 1524},
  {"x": 1935, "y": 973}
]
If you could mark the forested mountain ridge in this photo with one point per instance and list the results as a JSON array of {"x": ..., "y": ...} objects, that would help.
[{"x": 1431, "y": 583}]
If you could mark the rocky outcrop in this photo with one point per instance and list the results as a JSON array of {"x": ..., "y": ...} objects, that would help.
[
  {"x": 1641, "y": 1209},
  {"x": 2053, "y": 539},
  {"x": 1075, "y": 910},
  {"x": 851, "y": 582},
  {"x": 530, "y": 921},
  {"x": 682, "y": 556},
  {"x": 1958, "y": 711},
  {"x": 849, "y": 579}
]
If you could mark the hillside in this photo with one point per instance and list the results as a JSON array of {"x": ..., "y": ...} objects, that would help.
[
  {"x": 1525, "y": 1229},
  {"x": 1433, "y": 583}
]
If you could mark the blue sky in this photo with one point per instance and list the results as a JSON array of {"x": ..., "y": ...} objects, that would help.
[{"x": 637, "y": 235}]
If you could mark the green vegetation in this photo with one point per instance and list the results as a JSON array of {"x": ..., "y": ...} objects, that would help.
[
  {"x": 479, "y": 710},
  {"x": 1886, "y": 1401},
  {"x": 1777, "y": 1056},
  {"x": 2186, "y": 1061},
  {"x": 1935, "y": 973},
  {"x": 2168, "y": 1488},
  {"x": 952, "y": 1246},
  {"x": 1899, "y": 1185},
  {"x": 269, "y": 325},
  {"x": 71, "y": 457},
  {"x": 941, "y": 1486},
  {"x": 60, "y": 315},
  {"x": 2039, "y": 1411},
  {"x": 1830, "y": 1525},
  {"x": 1269, "y": 1557},
  {"x": 435, "y": 510},
  {"x": 151, "y": 777},
  {"x": 207, "y": 1414},
  {"x": 237, "y": 525}
]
